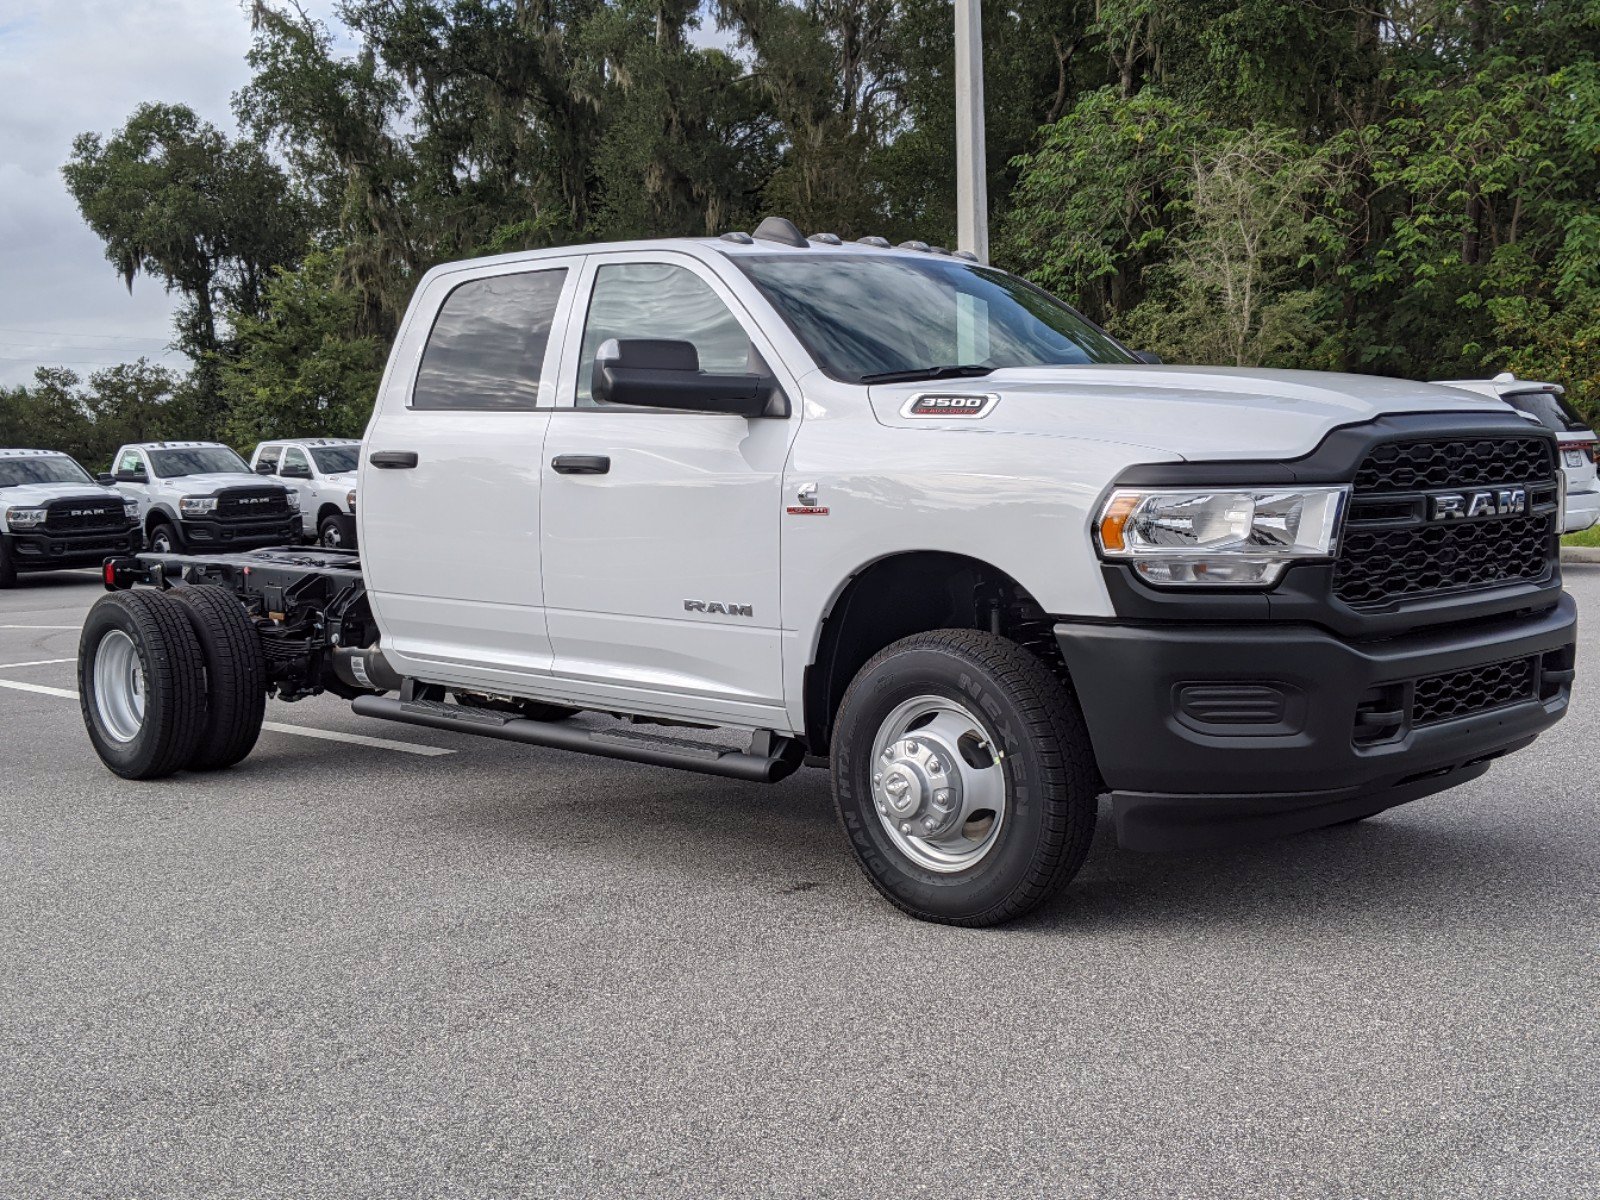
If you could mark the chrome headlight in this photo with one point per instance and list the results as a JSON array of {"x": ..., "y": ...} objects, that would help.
[
  {"x": 350, "y": 500},
  {"x": 130, "y": 509},
  {"x": 1221, "y": 537},
  {"x": 196, "y": 506},
  {"x": 293, "y": 500},
  {"x": 24, "y": 518}
]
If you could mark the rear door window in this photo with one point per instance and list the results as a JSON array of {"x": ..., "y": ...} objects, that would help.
[{"x": 487, "y": 346}]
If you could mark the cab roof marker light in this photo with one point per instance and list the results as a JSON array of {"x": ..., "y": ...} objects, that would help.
[
  {"x": 967, "y": 254},
  {"x": 781, "y": 230},
  {"x": 828, "y": 239},
  {"x": 921, "y": 247},
  {"x": 877, "y": 243},
  {"x": 741, "y": 239}
]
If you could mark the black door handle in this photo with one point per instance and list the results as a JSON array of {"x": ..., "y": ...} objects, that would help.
[
  {"x": 581, "y": 464},
  {"x": 392, "y": 460}
]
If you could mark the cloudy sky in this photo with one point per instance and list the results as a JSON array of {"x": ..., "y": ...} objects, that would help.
[
  {"x": 67, "y": 66},
  {"x": 70, "y": 66}
]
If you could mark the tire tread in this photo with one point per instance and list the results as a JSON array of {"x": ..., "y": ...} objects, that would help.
[
  {"x": 1055, "y": 727},
  {"x": 235, "y": 669}
]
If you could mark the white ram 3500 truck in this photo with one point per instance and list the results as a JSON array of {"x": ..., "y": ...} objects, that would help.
[
  {"x": 903, "y": 515},
  {"x": 200, "y": 496},
  {"x": 322, "y": 471},
  {"x": 55, "y": 516}
]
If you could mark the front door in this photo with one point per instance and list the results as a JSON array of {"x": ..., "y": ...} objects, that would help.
[
  {"x": 661, "y": 573},
  {"x": 449, "y": 528}
]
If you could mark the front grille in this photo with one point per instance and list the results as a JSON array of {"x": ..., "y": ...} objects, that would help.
[
  {"x": 251, "y": 503},
  {"x": 1456, "y": 463},
  {"x": 81, "y": 516},
  {"x": 1474, "y": 690},
  {"x": 1392, "y": 551}
]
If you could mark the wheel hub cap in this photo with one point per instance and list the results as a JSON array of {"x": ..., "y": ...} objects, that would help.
[
  {"x": 119, "y": 686},
  {"x": 937, "y": 785}
]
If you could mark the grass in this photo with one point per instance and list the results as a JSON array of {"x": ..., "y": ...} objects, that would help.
[{"x": 1589, "y": 537}]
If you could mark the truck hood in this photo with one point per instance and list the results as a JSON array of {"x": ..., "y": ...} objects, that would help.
[
  {"x": 43, "y": 493},
  {"x": 1195, "y": 413},
  {"x": 206, "y": 484}
]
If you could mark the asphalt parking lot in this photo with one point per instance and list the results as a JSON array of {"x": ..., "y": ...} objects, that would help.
[{"x": 427, "y": 965}]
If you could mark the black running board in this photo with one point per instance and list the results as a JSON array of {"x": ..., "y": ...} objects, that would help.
[{"x": 782, "y": 760}]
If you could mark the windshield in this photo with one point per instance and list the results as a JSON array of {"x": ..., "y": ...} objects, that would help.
[
  {"x": 196, "y": 460},
  {"x": 57, "y": 468},
  {"x": 331, "y": 459},
  {"x": 864, "y": 317},
  {"x": 1549, "y": 409}
]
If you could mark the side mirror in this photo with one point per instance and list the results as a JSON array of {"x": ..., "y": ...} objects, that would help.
[
  {"x": 1148, "y": 356},
  {"x": 105, "y": 477},
  {"x": 657, "y": 373},
  {"x": 263, "y": 468},
  {"x": 294, "y": 471},
  {"x": 131, "y": 477}
]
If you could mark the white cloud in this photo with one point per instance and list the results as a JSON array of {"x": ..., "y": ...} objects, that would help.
[{"x": 67, "y": 67}]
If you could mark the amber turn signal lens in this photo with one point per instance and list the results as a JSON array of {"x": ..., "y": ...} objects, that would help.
[{"x": 1114, "y": 519}]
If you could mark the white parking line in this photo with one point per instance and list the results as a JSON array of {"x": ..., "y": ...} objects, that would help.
[
  {"x": 40, "y": 688},
  {"x": 41, "y": 626},
  {"x": 38, "y": 662},
  {"x": 359, "y": 739}
]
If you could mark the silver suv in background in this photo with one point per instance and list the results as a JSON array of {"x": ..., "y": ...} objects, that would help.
[
  {"x": 1545, "y": 404},
  {"x": 323, "y": 472}
]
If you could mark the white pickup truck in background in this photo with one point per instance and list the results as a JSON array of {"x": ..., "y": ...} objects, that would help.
[
  {"x": 201, "y": 496},
  {"x": 898, "y": 514},
  {"x": 322, "y": 472},
  {"x": 55, "y": 516},
  {"x": 1545, "y": 404}
]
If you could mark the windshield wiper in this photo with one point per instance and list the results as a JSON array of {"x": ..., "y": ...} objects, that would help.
[{"x": 966, "y": 372}]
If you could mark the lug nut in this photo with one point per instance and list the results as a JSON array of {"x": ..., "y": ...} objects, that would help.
[{"x": 905, "y": 826}]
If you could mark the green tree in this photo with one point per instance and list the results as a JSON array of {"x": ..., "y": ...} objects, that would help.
[
  {"x": 173, "y": 198},
  {"x": 305, "y": 368}
]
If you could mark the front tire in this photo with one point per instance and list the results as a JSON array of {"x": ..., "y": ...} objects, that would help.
[
  {"x": 963, "y": 777},
  {"x": 335, "y": 532},
  {"x": 236, "y": 675},
  {"x": 141, "y": 685},
  {"x": 164, "y": 539}
]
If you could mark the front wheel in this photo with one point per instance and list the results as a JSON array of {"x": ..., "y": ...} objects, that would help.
[
  {"x": 332, "y": 533},
  {"x": 164, "y": 539},
  {"x": 963, "y": 777}
]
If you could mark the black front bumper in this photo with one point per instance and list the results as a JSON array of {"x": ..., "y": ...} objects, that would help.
[
  {"x": 1208, "y": 734},
  {"x": 45, "y": 551},
  {"x": 203, "y": 534}
]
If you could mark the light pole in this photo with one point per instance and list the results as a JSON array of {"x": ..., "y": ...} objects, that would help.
[{"x": 972, "y": 190}]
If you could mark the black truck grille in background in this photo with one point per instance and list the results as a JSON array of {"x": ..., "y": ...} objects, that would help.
[
  {"x": 1392, "y": 551},
  {"x": 85, "y": 515},
  {"x": 1474, "y": 690},
  {"x": 247, "y": 503}
]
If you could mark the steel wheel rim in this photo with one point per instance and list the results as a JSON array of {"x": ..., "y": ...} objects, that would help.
[
  {"x": 330, "y": 535},
  {"x": 119, "y": 686},
  {"x": 938, "y": 784},
  {"x": 161, "y": 543}
]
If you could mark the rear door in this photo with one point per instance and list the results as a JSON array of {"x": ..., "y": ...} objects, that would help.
[{"x": 450, "y": 479}]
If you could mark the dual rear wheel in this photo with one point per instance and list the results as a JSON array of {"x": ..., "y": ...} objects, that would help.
[{"x": 170, "y": 681}]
